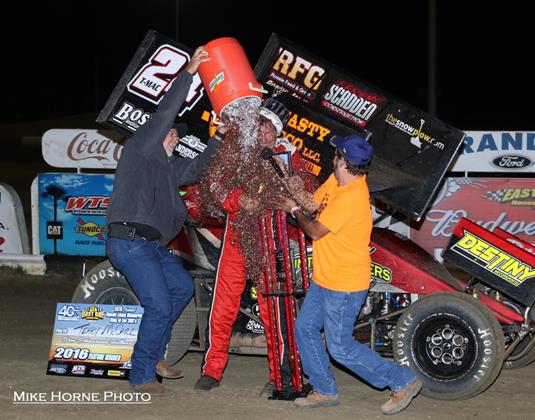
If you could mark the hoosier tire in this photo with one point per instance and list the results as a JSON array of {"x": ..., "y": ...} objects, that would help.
[
  {"x": 452, "y": 342},
  {"x": 105, "y": 285}
]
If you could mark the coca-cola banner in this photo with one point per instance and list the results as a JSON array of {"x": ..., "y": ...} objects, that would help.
[
  {"x": 497, "y": 151},
  {"x": 77, "y": 148},
  {"x": 507, "y": 203}
]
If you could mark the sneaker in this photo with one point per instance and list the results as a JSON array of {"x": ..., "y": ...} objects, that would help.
[
  {"x": 155, "y": 389},
  {"x": 165, "y": 371},
  {"x": 206, "y": 383},
  {"x": 267, "y": 390},
  {"x": 315, "y": 399},
  {"x": 401, "y": 399}
]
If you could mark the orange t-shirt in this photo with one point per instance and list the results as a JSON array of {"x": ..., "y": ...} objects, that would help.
[{"x": 341, "y": 259}]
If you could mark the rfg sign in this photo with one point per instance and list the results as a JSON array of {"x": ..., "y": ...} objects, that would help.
[{"x": 76, "y": 148}]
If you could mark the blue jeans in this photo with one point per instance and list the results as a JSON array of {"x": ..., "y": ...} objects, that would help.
[
  {"x": 336, "y": 313},
  {"x": 163, "y": 287}
]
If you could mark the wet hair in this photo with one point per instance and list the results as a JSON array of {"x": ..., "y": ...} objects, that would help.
[{"x": 354, "y": 169}]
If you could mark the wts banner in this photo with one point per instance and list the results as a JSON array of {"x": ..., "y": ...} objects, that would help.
[{"x": 72, "y": 213}]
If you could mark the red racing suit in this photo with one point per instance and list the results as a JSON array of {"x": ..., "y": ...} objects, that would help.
[{"x": 230, "y": 282}]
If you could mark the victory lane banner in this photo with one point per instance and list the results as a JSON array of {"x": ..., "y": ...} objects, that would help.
[{"x": 93, "y": 340}]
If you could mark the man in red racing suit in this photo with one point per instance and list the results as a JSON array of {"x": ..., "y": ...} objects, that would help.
[{"x": 231, "y": 271}]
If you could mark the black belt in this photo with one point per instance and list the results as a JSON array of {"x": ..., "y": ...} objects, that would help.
[{"x": 130, "y": 231}]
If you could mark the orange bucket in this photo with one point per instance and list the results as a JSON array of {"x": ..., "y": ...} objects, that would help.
[{"x": 228, "y": 75}]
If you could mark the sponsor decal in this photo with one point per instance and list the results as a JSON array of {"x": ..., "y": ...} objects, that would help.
[
  {"x": 308, "y": 127},
  {"x": 193, "y": 142},
  {"x": 78, "y": 370},
  {"x": 81, "y": 148},
  {"x": 255, "y": 309},
  {"x": 254, "y": 327},
  {"x": 130, "y": 117},
  {"x": 496, "y": 151},
  {"x": 418, "y": 137},
  {"x": 513, "y": 196},
  {"x": 381, "y": 272},
  {"x": 54, "y": 230},
  {"x": 96, "y": 372},
  {"x": 57, "y": 369},
  {"x": 301, "y": 131},
  {"x": 352, "y": 103},
  {"x": 115, "y": 373},
  {"x": 493, "y": 259},
  {"x": 68, "y": 313},
  {"x": 93, "y": 313},
  {"x": 190, "y": 146},
  {"x": 126, "y": 365},
  {"x": 511, "y": 162},
  {"x": 297, "y": 75},
  {"x": 254, "y": 293},
  {"x": 92, "y": 205},
  {"x": 155, "y": 77},
  {"x": 480, "y": 141},
  {"x": 90, "y": 229},
  {"x": 216, "y": 81}
]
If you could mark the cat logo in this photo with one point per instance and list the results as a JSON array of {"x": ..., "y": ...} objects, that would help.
[{"x": 54, "y": 230}]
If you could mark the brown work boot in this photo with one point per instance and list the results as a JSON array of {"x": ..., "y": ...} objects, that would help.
[
  {"x": 155, "y": 389},
  {"x": 315, "y": 399},
  {"x": 401, "y": 399},
  {"x": 165, "y": 371}
]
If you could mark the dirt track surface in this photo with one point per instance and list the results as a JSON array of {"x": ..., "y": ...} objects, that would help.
[{"x": 27, "y": 307}]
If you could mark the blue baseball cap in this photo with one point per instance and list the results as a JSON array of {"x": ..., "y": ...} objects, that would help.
[{"x": 354, "y": 149}]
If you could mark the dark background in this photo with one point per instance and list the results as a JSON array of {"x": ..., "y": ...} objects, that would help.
[{"x": 64, "y": 58}]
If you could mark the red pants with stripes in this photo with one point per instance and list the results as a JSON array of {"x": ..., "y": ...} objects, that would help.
[{"x": 229, "y": 285}]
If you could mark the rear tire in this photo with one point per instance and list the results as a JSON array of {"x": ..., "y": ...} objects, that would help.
[{"x": 452, "y": 342}]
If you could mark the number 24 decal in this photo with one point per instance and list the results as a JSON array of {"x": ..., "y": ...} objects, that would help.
[{"x": 154, "y": 78}]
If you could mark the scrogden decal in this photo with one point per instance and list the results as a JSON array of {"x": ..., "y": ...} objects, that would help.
[{"x": 351, "y": 103}]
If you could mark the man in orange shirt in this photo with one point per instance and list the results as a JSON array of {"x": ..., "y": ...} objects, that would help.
[{"x": 341, "y": 231}]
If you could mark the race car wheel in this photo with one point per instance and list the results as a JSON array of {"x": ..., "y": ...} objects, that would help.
[
  {"x": 452, "y": 342},
  {"x": 105, "y": 285}
]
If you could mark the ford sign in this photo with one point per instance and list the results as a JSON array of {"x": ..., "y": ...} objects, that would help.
[{"x": 511, "y": 162}]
